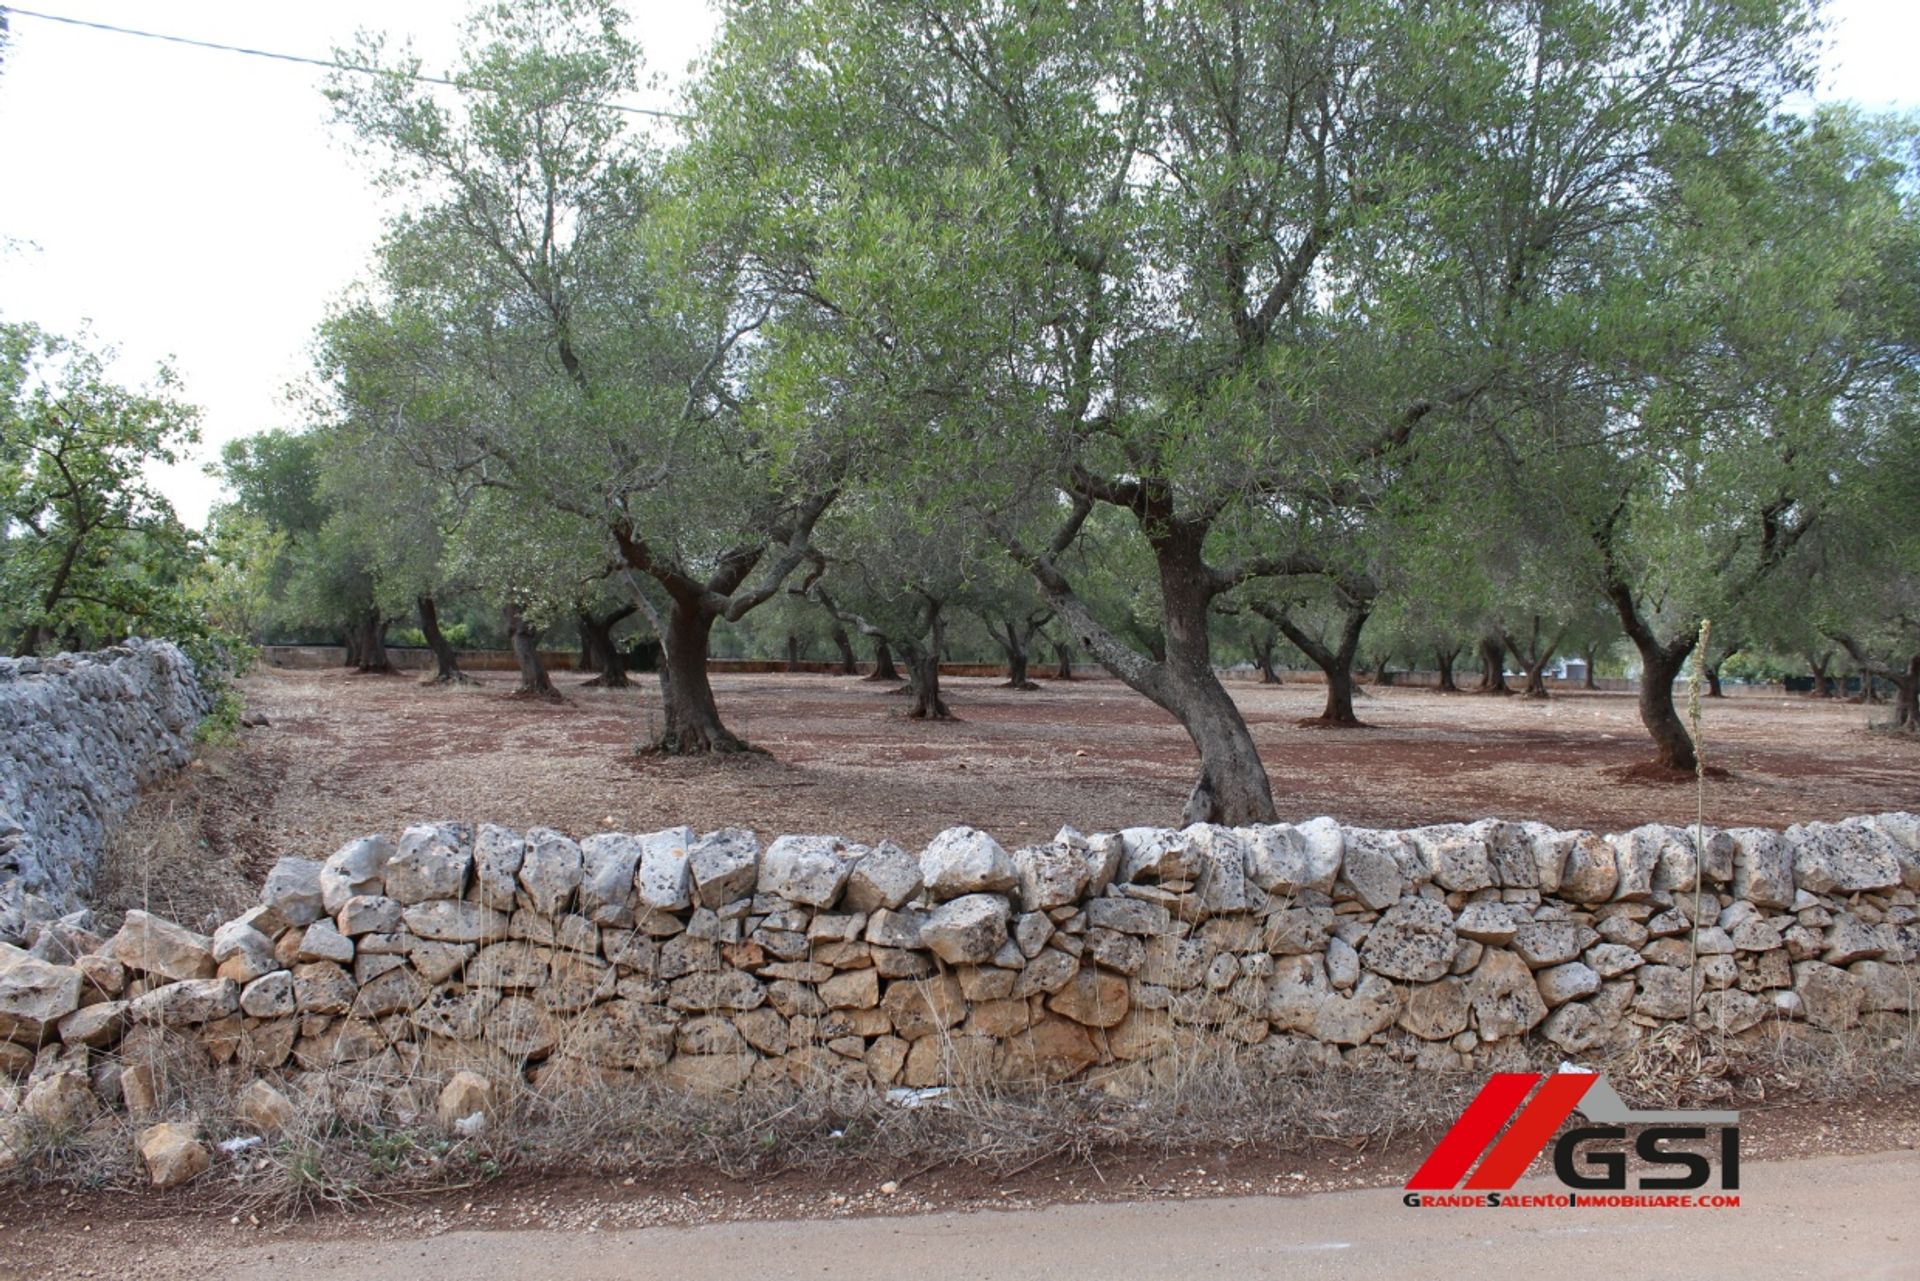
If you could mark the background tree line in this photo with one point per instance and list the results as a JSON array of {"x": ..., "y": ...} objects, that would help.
[{"x": 1462, "y": 335}]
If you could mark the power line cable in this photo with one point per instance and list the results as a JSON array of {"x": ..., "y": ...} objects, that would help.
[{"x": 299, "y": 58}]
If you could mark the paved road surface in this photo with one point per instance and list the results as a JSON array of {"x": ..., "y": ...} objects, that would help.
[{"x": 1854, "y": 1217}]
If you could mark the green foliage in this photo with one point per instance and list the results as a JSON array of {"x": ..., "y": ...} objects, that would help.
[{"x": 90, "y": 551}]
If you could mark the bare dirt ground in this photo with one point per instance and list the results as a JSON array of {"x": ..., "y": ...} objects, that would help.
[{"x": 347, "y": 755}]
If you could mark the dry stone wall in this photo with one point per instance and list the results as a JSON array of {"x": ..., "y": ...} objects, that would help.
[
  {"x": 80, "y": 735},
  {"x": 715, "y": 962}
]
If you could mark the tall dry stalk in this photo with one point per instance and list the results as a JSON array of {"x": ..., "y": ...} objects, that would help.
[{"x": 1696, "y": 673}]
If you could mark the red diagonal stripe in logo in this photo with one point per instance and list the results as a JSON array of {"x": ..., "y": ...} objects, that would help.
[
  {"x": 1531, "y": 1130},
  {"x": 1475, "y": 1129}
]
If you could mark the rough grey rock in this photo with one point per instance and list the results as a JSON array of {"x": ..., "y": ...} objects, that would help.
[
  {"x": 1371, "y": 868},
  {"x": 1413, "y": 940},
  {"x": 967, "y": 930},
  {"x": 432, "y": 862},
  {"x": 665, "y": 881},
  {"x": 550, "y": 871},
  {"x": 1636, "y": 855},
  {"x": 1830, "y": 858},
  {"x": 1506, "y": 1000},
  {"x": 725, "y": 866},
  {"x": 497, "y": 855},
  {"x": 1590, "y": 867},
  {"x": 1569, "y": 982},
  {"x": 965, "y": 860},
  {"x": 1762, "y": 866},
  {"x": 809, "y": 869},
  {"x": 1485, "y": 921},
  {"x": 1455, "y": 857},
  {"x": 609, "y": 862},
  {"x": 293, "y": 889},
  {"x": 356, "y": 868},
  {"x": 1050, "y": 876}
]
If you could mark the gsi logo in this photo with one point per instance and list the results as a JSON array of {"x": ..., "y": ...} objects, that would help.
[{"x": 1505, "y": 1098}]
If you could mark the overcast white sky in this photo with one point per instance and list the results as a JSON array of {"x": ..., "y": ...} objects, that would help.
[{"x": 196, "y": 205}]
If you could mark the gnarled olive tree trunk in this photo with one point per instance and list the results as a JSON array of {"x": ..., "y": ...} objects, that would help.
[
  {"x": 1336, "y": 663},
  {"x": 599, "y": 653},
  {"x": 1493, "y": 663},
  {"x": 535, "y": 683},
  {"x": 883, "y": 668},
  {"x": 1443, "y": 664},
  {"x": 446, "y": 664}
]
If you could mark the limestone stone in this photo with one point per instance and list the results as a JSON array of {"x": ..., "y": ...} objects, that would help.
[
  {"x": 966, "y": 930},
  {"x": 1511, "y": 851},
  {"x": 1296, "y": 991},
  {"x": 450, "y": 922},
  {"x": 1762, "y": 866},
  {"x": 1414, "y": 941},
  {"x": 62, "y": 1102},
  {"x": 1611, "y": 960},
  {"x": 1050, "y": 876},
  {"x": 34, "y": 996},
  {"x": 1370, "y": 868},
  {"x": 550, "y": 872},
  {"x": 609, "y": 862},
  {"x": 1094, "y": 997},
  {"x": 965, "y": 860},
  {"x": 1829, "y": 858},
  {"x": 1545, "y": 943},
  {"x": 1351, "y": 1020},
  {"x": 1343, "y": 965},
  {"x": 853, "y": 990},
  {"x": 497, "y": 855},
  {"x": 240, "y": 940},
  {"x": 321, "y": 942},
  {"x": 1127, "y": 916},
  {"x": 1590, "y": 867},
  {"x": 356, "y": 868},
  {"x": 1436, "y": 1011},
  {"x": 1663, "y": 992},
  {"x": 268, "y": 996},
  {"x": 923, "y": 1007},
  {"x": 722, "y": 990},
  {"x": 96, "y": 1025},
  {"x": 883, "y": 878},
  {"x": 149, "y": 945},
  {"x": 173, "y": 1153},
  {"x": 724, "y": 866},
  {"x": 806, "y": 869},
  {"x": 1851, "y": 939},
  {"x": 368, "y": 914},
  {"x": 1830, "y": 997},
  {"x": 1295, "y": 930},
  {"x": 263, "y": 1108},
  {"x": 433, "y": 861},
  {"x": 665, "y": 880},
  {"x": 1731, "y": 1011},
  {"x": 1882, "y": 986},
  {"x": 186, "y": 1003},
  {"x": 1568, "y": 982},
  {"x": 1048, "y": 972},
  {"x": 1485, "y": 921},
  {"x": 394, "y": 992},
  {"x": 1456, "y": 858},
  {"x": 292, "y": 888},
  {"x": 1506, "y": 1000},
  {"x": 1575, "y": 1028},
  {"x": 1051, "y": 1049}
]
